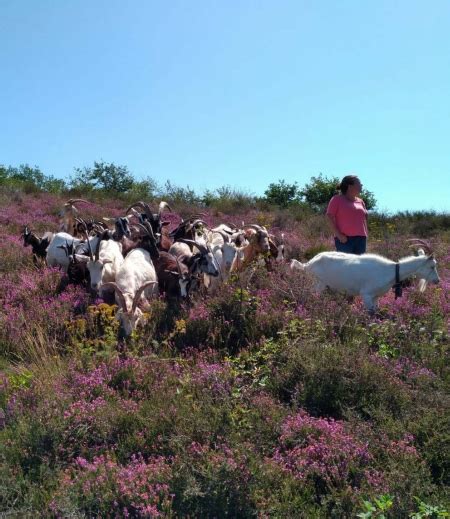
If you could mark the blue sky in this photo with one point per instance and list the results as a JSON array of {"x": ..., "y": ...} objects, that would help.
[{"x": 240, "y": 93}]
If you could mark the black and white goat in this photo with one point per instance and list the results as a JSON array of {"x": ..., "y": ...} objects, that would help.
[{"x": 38, "y": 245}]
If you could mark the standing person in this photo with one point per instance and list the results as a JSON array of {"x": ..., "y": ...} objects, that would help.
[{"x": 347, "y": 214}]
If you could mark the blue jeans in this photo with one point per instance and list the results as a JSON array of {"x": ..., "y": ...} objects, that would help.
[{"x": 353, "y": 245}]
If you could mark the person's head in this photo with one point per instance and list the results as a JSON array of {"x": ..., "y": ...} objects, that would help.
[{"x": 350, "y": 185}]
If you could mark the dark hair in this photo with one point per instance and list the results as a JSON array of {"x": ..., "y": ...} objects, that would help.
[{"x": 348, "y": 180}]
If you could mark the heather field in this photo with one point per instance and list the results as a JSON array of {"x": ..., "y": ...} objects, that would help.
[{"x": 265, "y": 400}]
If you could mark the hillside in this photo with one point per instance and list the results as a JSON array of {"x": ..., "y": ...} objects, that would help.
[{"x": 264, "y": 400}]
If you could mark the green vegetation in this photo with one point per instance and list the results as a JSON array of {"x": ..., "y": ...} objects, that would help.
[{"x": 263, "y": 400}]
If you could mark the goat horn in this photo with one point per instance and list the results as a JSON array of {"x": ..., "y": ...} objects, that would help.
[
  {"x": 426, "y": 249},
  {"x": 418, "y": 240},
  {"x": 163, "y": 205},
  {"x": 134, "y": 213},
  {"x": 178, "y": 266},
  {"x": 119, "y": 293},
  {"x": 149, "y": 230},
  {"x": 66, "y": 248},
  {"x": 143, "y": 206},
  {"x": 89, "y": 246},
  {"x": 147, "y": 210},
  {"x": 193, "y": 224},
  {"x": 138, "y": 294},
  {"x": 142, "y": 227},
  {"x": 97, "y": 249},
  {"x": 195, "y": 215},
  {"x": 254, "y": 226},
  {"x": 192, "y": 220},
  {"x": 197, "y": 221},
  {"x": 136, "y": 204},
  {"x": 81, "y": 222},
  {"x": 424, "y": 244},
  {"x": 71, "y": 201},
  {"x": 199, "y": 246},
  {"x": 97, "y": 227}
]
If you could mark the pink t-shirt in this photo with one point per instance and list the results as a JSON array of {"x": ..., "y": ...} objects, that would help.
[{"x": 350, "y": 216}]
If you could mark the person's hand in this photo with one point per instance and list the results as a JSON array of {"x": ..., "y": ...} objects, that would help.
[{"x": 342, "y": 238}]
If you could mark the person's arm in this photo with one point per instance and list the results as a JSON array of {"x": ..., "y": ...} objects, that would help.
[{"x": 332, "y": 221}]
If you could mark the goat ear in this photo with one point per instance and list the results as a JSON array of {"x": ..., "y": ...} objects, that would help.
[
  {"x": 82, "y": 258},
  {"x": 172, "y": 272}
]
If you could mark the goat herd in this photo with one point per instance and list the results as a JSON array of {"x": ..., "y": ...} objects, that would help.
[{"x": 137, "y": 261}]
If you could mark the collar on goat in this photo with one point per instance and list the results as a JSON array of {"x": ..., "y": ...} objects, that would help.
[{"x": 398, "y": 289}]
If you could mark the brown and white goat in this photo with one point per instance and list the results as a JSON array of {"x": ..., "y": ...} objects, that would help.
[
  {"x": 258, "y": 244},
  {"x": 68, "y": 215},
  {"x": 174, "y": 278}
]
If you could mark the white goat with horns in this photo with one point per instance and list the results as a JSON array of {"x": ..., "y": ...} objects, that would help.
[
  {"x": 369, "y": 276},
  {"x": 135, "y": 281},
  {"x": 129, "y": 315}
]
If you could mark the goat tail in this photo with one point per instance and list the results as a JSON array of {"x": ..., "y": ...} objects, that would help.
[{"x": 297, "y": 265}]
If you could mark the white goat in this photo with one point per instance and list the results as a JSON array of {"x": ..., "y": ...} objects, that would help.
[
  {"x": 56, "y": 251},
  {"x": 104, "y": 264},
  {"x": 225, "y": 244},
  {"x": 136, "y": 282},
  {"x": 369, "y": 276}
]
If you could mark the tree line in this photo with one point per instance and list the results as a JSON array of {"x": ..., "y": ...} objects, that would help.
[{"x": 106, "y": 179}]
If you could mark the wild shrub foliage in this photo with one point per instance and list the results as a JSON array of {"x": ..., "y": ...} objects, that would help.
[{"x": 265, "y": 400}]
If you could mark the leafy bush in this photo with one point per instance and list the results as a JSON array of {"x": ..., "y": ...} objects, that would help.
[
  {"x": 321, "y": 189},
  {"x": 282, "y": 194},
  {"x": 103, "y": 176},
  {"x": 30, "y": 179}
]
